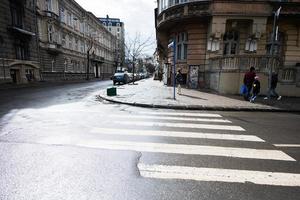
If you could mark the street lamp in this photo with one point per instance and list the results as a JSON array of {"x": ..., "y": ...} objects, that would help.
[{"x": 173, "y": 45}]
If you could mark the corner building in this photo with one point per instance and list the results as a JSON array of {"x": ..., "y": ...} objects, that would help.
[
  {"x": 19, "y": 61},
  {"x": 217, "y": 41},
  {"x": 67, "y": 34}
]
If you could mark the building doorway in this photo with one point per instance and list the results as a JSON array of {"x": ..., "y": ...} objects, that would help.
[{"x": 15, "y": 75}]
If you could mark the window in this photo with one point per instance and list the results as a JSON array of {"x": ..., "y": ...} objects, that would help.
[
  {"x": 251, "y": 45},
  {"x": 17, "y": 12},
  {"x": 50, "y": 33},
  {"x": 69, "y": 19},
  {"x": 22, "y": 50},
  {"x": 70, "y": 42},
  {"x": 49, "y": 5},
  {"x": 118, "y": 24},
  {"x": 82, "y": 47},
  {"x": 104, "y": 24},
  {"x": 109, "y": 24},
  {"x": 63, "y": 40},
  {"x": 76, "y": 44},
  {"x": 213, "y": 44},
  {"x": 231, "y": 41},
  {"x": 182, "y": 46},
  {"x": 62, "y": 15},
  {"x": 278, "y": 44}
]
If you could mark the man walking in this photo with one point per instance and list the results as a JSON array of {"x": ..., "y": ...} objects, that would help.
[
  {"x": 179, "y": 80},
  {"x": 248, "y": 82},
  {"x": 272, "y": 90}
]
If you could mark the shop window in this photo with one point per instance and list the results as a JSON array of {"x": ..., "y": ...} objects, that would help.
[
  {"x": 231, "y": 43},
  {"x": 182, "y": 46}
]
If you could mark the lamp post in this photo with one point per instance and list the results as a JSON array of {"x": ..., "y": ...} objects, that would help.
[
  {"x": 273, "y": 38},
  {"x": 173, "y": 45}
]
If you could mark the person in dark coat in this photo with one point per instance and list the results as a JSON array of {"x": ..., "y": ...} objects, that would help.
[
  {"x": 179, "y": 81},
  {"x": 256, "y": 89},
  {"x": 272, "y": 90},
  {"x": 248, "y": 82}
]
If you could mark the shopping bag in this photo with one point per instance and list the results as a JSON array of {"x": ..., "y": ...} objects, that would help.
[{"x": 243, "y": 90}]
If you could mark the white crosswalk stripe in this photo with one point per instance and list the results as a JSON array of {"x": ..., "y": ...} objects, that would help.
[
  {"x": 226, "y": 131},
  {"x": 214, "y": 136},
  {"x": 219, "y": 175},
  {"x": 187, "y": 149},
  {"x": 171, "y": 118},
  {"x": 183, "y": 114},
  {"x": 183, "y": 125}
]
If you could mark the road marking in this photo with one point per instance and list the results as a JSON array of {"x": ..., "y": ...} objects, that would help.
[
  {"x": 214, "y": 136},
  {"x": 182, "y": 114},
  {"x": 185, "y": 149},
  {"x": 219, "y": 175},
  {"x": 183, "y": 125},
  {"x": 171, "y": 118},
  {"x": 287, "y": 145}
]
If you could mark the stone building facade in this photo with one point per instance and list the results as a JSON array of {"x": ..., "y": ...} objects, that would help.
[
  {"x": 18, "y": 42},
  {"x": 117, "y": 28},
  {"x": 73, "y": 42},
  {"x": 217, "y": 41}
]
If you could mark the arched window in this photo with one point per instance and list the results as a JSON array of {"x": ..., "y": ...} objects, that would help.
[{"x": 231, "y": 43}]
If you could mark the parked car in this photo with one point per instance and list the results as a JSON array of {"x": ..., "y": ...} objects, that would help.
[
  {"x": 121, "y": 77},
  {"x": 130, "y": 77}
]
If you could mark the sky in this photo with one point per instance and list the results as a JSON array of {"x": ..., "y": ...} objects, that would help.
[{"x": 138, "y": 15}]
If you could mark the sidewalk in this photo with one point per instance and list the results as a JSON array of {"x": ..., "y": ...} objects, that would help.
[{"x": 153, "y": 94}]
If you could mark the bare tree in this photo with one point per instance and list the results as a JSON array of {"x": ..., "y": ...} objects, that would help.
[{"x": 136, "y": 48}]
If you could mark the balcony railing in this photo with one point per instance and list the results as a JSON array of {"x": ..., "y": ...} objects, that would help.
[
  {"x": 244, "y": 62},
  {"x": 165, "y": 4}
]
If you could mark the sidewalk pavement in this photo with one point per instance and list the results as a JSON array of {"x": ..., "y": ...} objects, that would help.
[{"x": 154, "y": 94}]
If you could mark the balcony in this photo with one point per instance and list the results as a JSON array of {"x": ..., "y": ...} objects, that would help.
[
  {"x": 51, "y": 15},
  {"x": 182, "y": 12},
  {"x": 244, "y": 62},
  {"x": 97, "y": 59},
  {"x": 54, "y": 48}
]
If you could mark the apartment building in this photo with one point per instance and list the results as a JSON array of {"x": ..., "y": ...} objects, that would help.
[
  {"x": 217, "y": 41},
  {"x": 73, "y": 42},
  {"x": 18, "y": 42},
  {"x": 117, "y": 28}
]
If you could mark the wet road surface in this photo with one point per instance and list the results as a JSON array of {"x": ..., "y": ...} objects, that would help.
[{"x": 60, "y": 142}]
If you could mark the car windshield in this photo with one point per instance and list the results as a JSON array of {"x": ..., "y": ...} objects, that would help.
[{"x": 119, "y": 74}]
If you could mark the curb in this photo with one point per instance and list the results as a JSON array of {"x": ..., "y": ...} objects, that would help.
[{"x": 193, "y": 107}]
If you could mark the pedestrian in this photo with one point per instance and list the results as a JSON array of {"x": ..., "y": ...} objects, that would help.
[
  {"x": 272, "y": 90},
  {"x": 248, "y": 82},
  {"x": 179, "y": 81},
  {"x": 256, "y": 89}
]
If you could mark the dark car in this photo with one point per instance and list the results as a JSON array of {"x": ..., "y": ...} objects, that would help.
[{"x": 120, "y": 77}]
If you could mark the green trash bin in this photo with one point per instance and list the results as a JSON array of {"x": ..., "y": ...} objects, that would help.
[{"x": 111, "y": 91}]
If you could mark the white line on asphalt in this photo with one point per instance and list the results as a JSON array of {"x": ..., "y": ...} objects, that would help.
[
  {"x": 214, "y": 136},
  {"x": 183, "y": 125},
  {"x": 171, "y": 118},
  {"x": 182, "y": 114},
  {"x": 186, "y": 149},
  {"x": 219, "y": 175},
  {"x": 287, "y": 145}
]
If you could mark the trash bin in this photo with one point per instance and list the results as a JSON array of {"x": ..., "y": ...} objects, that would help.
[{"x": 111, "y": 91}]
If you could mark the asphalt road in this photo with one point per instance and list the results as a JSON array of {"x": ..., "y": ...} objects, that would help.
[{"x": 60, "y": 142}]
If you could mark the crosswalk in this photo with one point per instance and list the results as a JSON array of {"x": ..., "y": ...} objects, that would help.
[{"x": 197, "y": 127}]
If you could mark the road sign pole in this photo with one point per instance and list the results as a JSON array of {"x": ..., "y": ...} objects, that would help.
[{"x": 174, "y": 69}]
